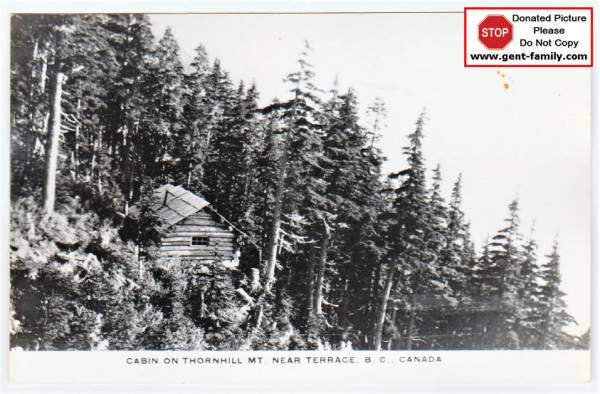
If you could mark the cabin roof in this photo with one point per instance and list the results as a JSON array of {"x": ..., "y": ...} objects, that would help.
[{"x": 173, "y": 204}]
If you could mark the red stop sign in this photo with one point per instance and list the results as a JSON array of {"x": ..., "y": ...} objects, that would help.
[{"x": 495, "y": 31}]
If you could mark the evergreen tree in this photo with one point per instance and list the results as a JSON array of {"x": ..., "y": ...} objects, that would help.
[
  {"x": 352, "y": 169},
  {"x": 219, "y": 102},
  {"x": 162, "y": 119},
  {"x": 480, "y": 272},
  {"x": 439, "y": 215},
  {"x": 506, "y": 258},
  {"x": 584, "y": 340},
  {"x": 230, "y": 163},
  {"x": 298, "y": 153},
  {"x": 554, "y": 314},
  {"x": 232, "y": 170},
  {"x": 482, "y": 290},
  {"x": 408, "y": 244},
  {"x": 376, "y": 116},
  {"x": 132, "y": 42},
  {"x": 191, "y": 141},
  {"x": 458, "y": 255},
  {"x": 527, "y": 296}
]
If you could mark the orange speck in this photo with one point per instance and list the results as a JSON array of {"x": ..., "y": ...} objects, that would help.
[
  {"x": 503, "y": 75},
  {"x": 506, "y": 86}
]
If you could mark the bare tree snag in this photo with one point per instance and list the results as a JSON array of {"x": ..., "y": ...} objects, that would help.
[
  {"x": 383, "y": 309},
  {"x": 311, "y": 281},
  {"x": 188, "y": 180},
  {"x": 52, "y": 143},
  {"x": 345, "y": 303},
  {"x": 32, "y": 107},
  {"x": 321, "y": 268},
  {"x": 43, "y": 73},
  {"x": 76, "y": 147},
  {"x": 202, "y": 305},
  {"x": 276, "y": 227},
  {"x": 34, "y": 58},
  {"x": 255, "y": 279},
  {"x": 93, "y": 159},
  {"x": 240, "y": 292}
]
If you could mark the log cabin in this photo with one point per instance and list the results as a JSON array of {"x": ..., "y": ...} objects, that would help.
[{"x": 193, "y": 231}]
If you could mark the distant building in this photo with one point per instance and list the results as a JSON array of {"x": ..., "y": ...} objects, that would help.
[{"x": 192, "y": 230}]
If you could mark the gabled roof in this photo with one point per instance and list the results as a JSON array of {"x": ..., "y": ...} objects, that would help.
[{"x": 174, "y": 203}]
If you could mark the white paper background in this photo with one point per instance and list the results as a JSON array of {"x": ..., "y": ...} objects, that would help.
[{"x": 549, "y": 367}]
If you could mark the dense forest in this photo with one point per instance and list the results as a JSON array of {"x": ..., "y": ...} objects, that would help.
[{"x": 335, "y": 254}]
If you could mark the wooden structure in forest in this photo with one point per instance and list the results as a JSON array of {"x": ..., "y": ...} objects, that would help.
[{"x": 192, "y": 229}]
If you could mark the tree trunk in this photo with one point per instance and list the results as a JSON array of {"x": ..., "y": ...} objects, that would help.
[
  {"x": 93, "y": 160},
  {"x": 411, "y": 323},
  {"x": 411, "y": 320},
  {"x": 382, "y": 310},
  {"x": 202, "y": 304},
  {"x": 345, "y": 303},
  {"x": 290, "y": 274},
  {"x": 321, "y": 269},
  {"x": 259, "y": 316},
  {"x": 45, "y": 122},
  {"x": 52, "y": 143},
  {"x": 76, "y": 147},
  {"x": 129, "y": 195},
  {"x": 272, "y": 245},
  {"x": 33, "y": 109},
  {"x": 189, "y": 175},
  {"x": 127, "y": 164},
  {"x": 43, "y": 73},
  {"x": 34, "y": 58},
  {"x": 310, "y": 296},
  {"x": 373, "y": 304},
  {"x": 394, "y": 330},
  {"x": 274, "y": 237}
]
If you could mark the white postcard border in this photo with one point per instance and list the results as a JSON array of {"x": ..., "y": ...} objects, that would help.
[{"x": 66, "y": 371}]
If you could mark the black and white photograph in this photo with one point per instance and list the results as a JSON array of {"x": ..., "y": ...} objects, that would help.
[{"x": 291, "y": 182}]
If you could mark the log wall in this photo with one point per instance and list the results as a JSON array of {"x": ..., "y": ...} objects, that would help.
[{"x": 177, "y": 242}]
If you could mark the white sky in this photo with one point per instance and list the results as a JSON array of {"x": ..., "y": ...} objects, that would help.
[{"x": 531, "y": 140}]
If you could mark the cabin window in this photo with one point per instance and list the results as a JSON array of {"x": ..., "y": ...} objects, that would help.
[{"x": 200, "y": 241}]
